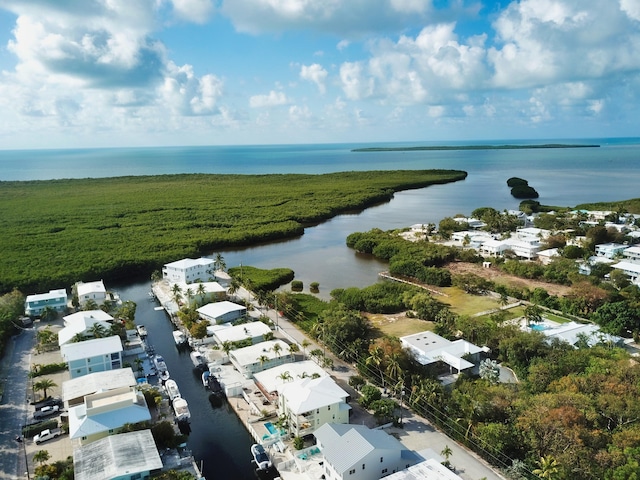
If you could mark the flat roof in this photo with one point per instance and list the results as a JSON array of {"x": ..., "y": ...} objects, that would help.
[
  {"x": 51, "y": 295},
  {"x": 250, "y": 354},
  {"x": 83, "y": 425},
  {"x": 98, "y": 381},
  {"x": 429, "y": 469},
  {"x": 209, "y": 287},
  {"x": 90, "y": 287},
  {"x": 270, "y": 379},
  {"x": 307, "y": 394},
  {"x": 430, "y": 347},
  {"x": 240, "y": 332},
  {"x": 116, "y": 456},
  {"x": 189, "y": 262},
  {"x": 91, "y": 348},
  {"x": 628, "y": 266}
]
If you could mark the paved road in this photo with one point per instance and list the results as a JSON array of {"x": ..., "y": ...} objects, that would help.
[
  {"x": 13, "y": 409},
  {"x": 417, "y": 434}
]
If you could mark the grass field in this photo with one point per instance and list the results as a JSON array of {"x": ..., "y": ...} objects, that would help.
[
  {"x": 397, "y": 325},
  {"x": 464, "y": 304}
]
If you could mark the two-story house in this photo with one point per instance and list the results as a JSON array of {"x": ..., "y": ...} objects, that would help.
[
  {"x": 189, "y": 270},
  {"x": 83, "y": 324},
  {"x": 261, "y": 356},
  {"x": 95, "y": 291},
  {"x": 309, "y": 403},
  {"x": 35, "y": 304},
  {"x": 96, "y": 355},
  {"x": 222, "y": 312}
]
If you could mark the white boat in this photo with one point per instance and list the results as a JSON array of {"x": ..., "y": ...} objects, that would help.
[
  {"x": 158, "y": 361},
  {"x": 260, "y": 456},
  {"x": 198, "y": 360},
  {"x": 205, "y": 378},
  {"x": 142, "y": 331},
  {"x": 181, "y": 409},
  {"x": 172, "y": 389},
  {"x": 179, "y": 337}
]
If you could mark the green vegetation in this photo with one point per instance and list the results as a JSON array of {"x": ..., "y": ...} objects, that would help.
[
  {"x": 11, "y": 308},
  {"x": 114, "y": 228},
  {"x": 520, "y": 188},
  {"x": 470, "y": 147},
  {"x": 631, "y": 206},
  {"x": 258, "y": 279}
]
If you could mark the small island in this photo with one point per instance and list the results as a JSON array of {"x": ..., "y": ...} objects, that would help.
[
  {"x": 520, "y": 188},
  {"x": 473, "y": 147}
]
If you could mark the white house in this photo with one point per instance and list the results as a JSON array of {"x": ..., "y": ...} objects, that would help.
[
  {"x": 89, "y": 356},
  {"x": 532, "y": 234},
  {"x": 213, "y": 291},
  {"x": 81, "y": 323},
  {"x": 269, "y": 380},
  {"x": 522, "y": 248},
  {"x": 56, "y": 299},
  {"x": 631, "y": 269},
  {"x": 126, "y": 456},
  {"x": 354, "y": 452},
  {"x": 610, "y": 250},
  {"x": 572, "y": 332},
  {"x": 103, "y": 413},
  {"x": 254, "y": 331},
  {"x": 222, "y": 312},
  {"x": 74, "y": 390},
  {"x": 189, "y": 270},
  {"x": 309, "y": 403},
  {"x": 428, "y": 347},
  {"x": 430, "y": 469},
  {"x": 259, "y": 357},
  {"x": 546, "y": 256},
  {"x": 95, "y": 291},
  {"x": 632, "y": 254}
]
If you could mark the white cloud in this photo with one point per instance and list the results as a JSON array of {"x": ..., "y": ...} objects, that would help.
[
  {"x": 273, "y": 99},
  {"x": 342, "y": 44},
  {"x": 631, "y": 8},
  {"x": 197, "y": 11},
  {"x": 299, "y": 114},
  {"x": 316, "y": 74},
  {"x": 411, "y": 6}
]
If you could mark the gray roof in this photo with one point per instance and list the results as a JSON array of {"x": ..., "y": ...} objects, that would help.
[
  {"x": 116, "y": 456},
  {"x": 94, "y": 382},
  {"x": 344, "y": 445}
]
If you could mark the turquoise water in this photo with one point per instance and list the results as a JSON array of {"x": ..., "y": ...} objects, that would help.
[
  {"x": 270, "y": 428},
  {"x": 539, "y": 327}
]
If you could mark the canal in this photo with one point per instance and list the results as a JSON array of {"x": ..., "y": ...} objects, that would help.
[{"x": 219, "y": 441}]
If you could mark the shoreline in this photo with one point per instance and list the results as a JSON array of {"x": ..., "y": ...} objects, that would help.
[{"x": 473, "y": 147}]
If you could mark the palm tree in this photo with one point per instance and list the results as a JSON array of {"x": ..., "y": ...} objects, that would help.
[
  {"x": 97, "y": 330},
  {"x": 262, "y": 359},
  {"x": 189, "y": 294},
  {"x": 44, "y": 385},
  {"x": 78, "y": 337},
  {"x": 277, "y": 349},
  {"x": 285, "y": 376},
  {"x": 227, "y": 346},
  {"x": 234, "y": 286},
  {"x": 375, "y": 358},
  {"x": 446, "y": 453},
  {"x": 219, "y": 263},
  {"x": 41, "y": 456},
  {"x": 548, "y": 468},
  {"x": 305, "y": 344},
  {"x": 394, "y": 371},
  {"x": 201, "y": 292},
  {"x": 294, "y": 348}
]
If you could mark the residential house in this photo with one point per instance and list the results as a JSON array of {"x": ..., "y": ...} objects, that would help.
[
  {"x": 74, "y": 390},
  {"x": 95, "y": 291},
  {"x": 268, "y": 381},
  {"x": 82, "y": 323},
  {"x": 429, "y": 348},
  {"x": 56, "y": 299},
  {"x": 532, "y": 234},
  {"x": 259, "y": 357},
  {"x": 573, "y": 332},
  {"x": 632, "y": 254},
  {"x": 254, "y": 331},
  {"x": 430, "y": 469},
  {"x": 631, "y": 269},
  {"x": 471, "y": 238},
  {"x": 585, "y": 267},
  {"x": 309, "y": 403},
  {"x": 610, "y": 250},
  {"x": 213, "y": 291},
  {"x": 89, "y": 356},
  {"x": 126, "y": 456},
  {"x": 189, "y": 270},
  {"x": 103, "y": 413},
  {"x": 354, "y": 452},
  {"x": 546, "y": 256},
  {"x": 222, "y": 312}
]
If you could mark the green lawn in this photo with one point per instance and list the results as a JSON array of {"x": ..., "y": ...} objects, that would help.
[
  {"x": 396, "y": 325},
  {"x": 464, "y": 304}
]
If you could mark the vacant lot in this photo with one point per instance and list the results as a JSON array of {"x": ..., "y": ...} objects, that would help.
[{"x": 396, "y": 325}]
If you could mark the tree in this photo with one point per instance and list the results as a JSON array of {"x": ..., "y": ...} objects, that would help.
[
  {"x": 97, "y": 330},
  {"x": 489, "y": 371},
  {"x": 227, "y": 346},
  {"x": 189, "y": 294},
  {"x": 277, "y": 349},
  {"x": 548, "y": 468},
  {"x": 533, "y": 314},
  {"x": 383, "y": 409},
  {"x": 44, "y": 385},
  {"x": 234, "y": 286},
  {"x": 48, "y": 314},
  {"x": 262, "y": 359},
  {"x": 376, "y": 359},
  {"x": 369, "y": 394},
  {"x": 199, "y": 329},
  {"x": 294, "y": 348},
  {"x": 305, "y": 344},
  {"x": 41, "y": 456},
  {"x": 285, "y": 376},
  {"x": 446, "y": 452},
  {"x": 219, "y": 263}
]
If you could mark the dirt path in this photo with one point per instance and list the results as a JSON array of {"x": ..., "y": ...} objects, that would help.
[{"x": 496, "y": 275}]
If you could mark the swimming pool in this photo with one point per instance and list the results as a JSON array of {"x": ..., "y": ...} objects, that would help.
[
  {"x": 539, "y": 327},
  {"x": 271, "y": 428}
]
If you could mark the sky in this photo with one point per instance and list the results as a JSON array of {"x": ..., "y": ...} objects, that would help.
[{"x": 119, "y": 73}]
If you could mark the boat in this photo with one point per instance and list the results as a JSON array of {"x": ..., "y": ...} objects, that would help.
[
  {"x": 172, "y": 389},
  {"x": 161, "y": 366},
  {"x": 260, "y": 456},
  {"x": 179, "y": 337},
  {"x": 198, "y": 360},
  {"x": 214, "y": 385},
  {"x": 205, "y": 378},
  {"x": 181, "y": 409},
  {"x": 142, "y": 331}
]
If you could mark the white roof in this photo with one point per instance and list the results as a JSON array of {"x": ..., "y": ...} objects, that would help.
[
  {"x": 90, "y": 287},
  {"x": 270, "y": 379},
  {"x": 98, "y": 381},
  {"x": 218, "y": 309},
  {"x": 344, "y": 445},
  {"x": 634, "y": 249},
  {"x": 209, "y": 287},
  {"x": 117, "y": 456},
  {"x": 250, "y": 354},
  {"x": 91, "y": 348},
  {"x": 308, "y": 394},
  {"x": 570, "y": 331},
  {"x": 429, "y": 348},
  {"x": 429, "y": 469},
  {"x": 190, "y": 262},
  {"x": 550, "y": 252},
  {"x": 628, "y": 266},
  {"x": 240, "y": 332},
  {"x": 52, "y": 295},
  {"x": 80, "y": 322},
  {"x": 104, "y": 411}
]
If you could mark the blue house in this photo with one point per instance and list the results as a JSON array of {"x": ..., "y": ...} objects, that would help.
[
  {"x": 35, "y": 304},
  {"x": 96, "y": 355}
]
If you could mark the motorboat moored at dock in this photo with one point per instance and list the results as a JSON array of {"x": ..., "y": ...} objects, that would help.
[
  {"x": 172, "y": 389},
  {"x": 142, "y": 331},
  {"x": 181, "y": 409},
  {"x": 179, "y": 338},
  {"x": 260, "y": 456},
  {"x": 198, "y": 360}
]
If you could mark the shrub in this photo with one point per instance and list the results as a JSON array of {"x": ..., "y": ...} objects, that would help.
[
  {"x": 314, "y": 287},
  {"x": 297, "y": 285},
  {"x": 298, "y": 443}
]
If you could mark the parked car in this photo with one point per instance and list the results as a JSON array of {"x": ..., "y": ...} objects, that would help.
[
  {"x": 46, "y": 412},
  {"x": 49, "y": 402},
  {"x": 48, "y": 434}
]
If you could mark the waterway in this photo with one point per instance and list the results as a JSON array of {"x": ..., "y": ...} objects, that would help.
[{"x": 219, "y": 441}]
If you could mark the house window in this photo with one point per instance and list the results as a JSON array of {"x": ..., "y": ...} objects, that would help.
[
  {"x": 363, "y": 466},
  {"x": 380, "y": 459},
  {"x": 384, "y": 471},
  {"x": 136, "y": 476},
  {"x": 329, "y": 407},
  {"x": 351, "y": 472}
]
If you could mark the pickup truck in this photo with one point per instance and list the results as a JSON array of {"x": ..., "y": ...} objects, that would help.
[
  {"x": 47, "y": 434},
  {"x": 46, "y": 412}
]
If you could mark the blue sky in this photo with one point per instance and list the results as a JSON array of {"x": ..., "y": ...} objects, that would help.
[{"x": 83, "y": 73}]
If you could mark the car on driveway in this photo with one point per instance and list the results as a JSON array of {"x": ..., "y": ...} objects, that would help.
[{"x": 45, "y": 412}]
